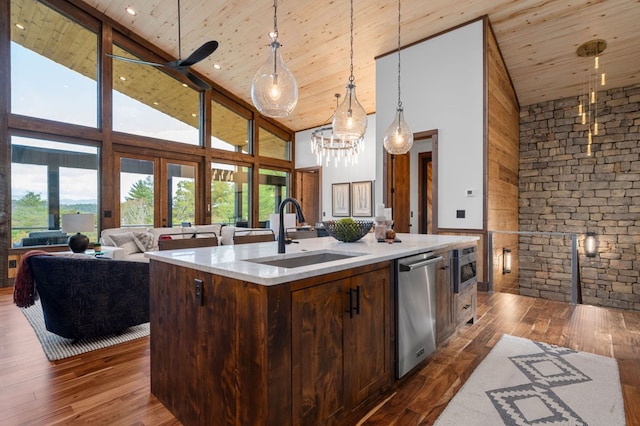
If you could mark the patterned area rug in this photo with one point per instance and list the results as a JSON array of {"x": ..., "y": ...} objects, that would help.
[
  {"x": 56, "y": 347},
  {"x": 522, "y": 382}
]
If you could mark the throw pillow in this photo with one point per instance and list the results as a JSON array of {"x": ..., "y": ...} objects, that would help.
[
  {"x": 125, "y": 241},
  {"x": 144, "y": 240}
]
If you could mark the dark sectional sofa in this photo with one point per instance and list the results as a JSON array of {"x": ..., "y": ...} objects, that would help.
[{"x": 86, "y": 297}]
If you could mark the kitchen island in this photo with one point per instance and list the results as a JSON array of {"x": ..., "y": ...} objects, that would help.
[{"x": 238, "y": 340}]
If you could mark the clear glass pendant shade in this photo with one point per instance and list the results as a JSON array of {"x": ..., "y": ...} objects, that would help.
[
  {"x": 398, "y": 138},
  {"x": 350, "y": 118},
  {"x": 274, "y": 90}
]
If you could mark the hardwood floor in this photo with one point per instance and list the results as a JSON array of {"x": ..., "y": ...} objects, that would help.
[{"x": 111, "y": 386}]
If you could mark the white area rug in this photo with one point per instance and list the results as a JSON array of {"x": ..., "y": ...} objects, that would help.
[
  {"x": 56, "y": 347},
  {"x": 522, "y": 382}
]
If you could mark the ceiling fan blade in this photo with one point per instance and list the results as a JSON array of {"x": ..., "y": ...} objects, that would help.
[
  {"x": 199, "y": 54},
  {"x": 134, "y": 61}
]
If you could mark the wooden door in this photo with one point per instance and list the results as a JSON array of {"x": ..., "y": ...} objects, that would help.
[
  {"x": 399, "y": 195},
  {"x": 308, "y": 193},
  {"x": 425, "y": 193},
  {"x": 398, "y": 186},
  {"x": 367, "y": 337},
  {"x": 317, "y": 325},
  {"x": 156, "y": 191}
]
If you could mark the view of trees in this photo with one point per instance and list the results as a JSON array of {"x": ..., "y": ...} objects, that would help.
[
  {"x": 31, "y": 213},
  {"x": 137, "y": 209}
]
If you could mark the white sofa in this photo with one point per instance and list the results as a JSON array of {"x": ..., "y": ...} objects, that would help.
[{"x": 131, "y": 243}]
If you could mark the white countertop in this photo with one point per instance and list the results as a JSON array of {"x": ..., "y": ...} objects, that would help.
[{"x": 232, "y": 261}]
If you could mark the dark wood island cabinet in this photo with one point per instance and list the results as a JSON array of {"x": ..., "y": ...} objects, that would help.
[
  {"x": 244, "y": 335},
  {"x": 312, "y": 351}
]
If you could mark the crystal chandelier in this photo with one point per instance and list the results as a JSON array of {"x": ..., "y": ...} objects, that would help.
[
  {"x": 398, "y": 138},
  {"x": 588, "y": 99},
  {"x": 350, "y": 118},
  {"x": 329, "y": 148},
  {"x": 274, "y": 90}
]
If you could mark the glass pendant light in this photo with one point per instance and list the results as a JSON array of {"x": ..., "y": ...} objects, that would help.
[
  {"x": 274, "y": 90},
  {"x": 398, "y": 138},
  {"x": 350, "y": 119}
]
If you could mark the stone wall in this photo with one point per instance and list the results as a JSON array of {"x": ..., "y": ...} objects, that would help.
[{"x": 562, "y": 189}]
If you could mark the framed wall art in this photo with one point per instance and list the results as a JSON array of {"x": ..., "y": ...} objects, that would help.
[
  {"x": 340, "y": 199},
  {"x": 362, "y": 199}
]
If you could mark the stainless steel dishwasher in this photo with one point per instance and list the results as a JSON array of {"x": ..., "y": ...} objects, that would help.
[{"x": 416, "y": 310}]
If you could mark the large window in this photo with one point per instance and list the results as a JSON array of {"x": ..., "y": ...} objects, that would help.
[
  {"x": 273, "y": 146},
  {"x": 149, "y": 102},
  {"x": 49, "y": 179},
  {"x": 53, "y": 65},
  {"x": 274, "y": 187},
  {"x": 229, "y": 130},
  {"x": 230, "y": 194}
]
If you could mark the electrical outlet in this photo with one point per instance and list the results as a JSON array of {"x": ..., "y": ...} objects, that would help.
[
  {"x": 198, "y": 287},
  {"x": 460, "y": 214}
]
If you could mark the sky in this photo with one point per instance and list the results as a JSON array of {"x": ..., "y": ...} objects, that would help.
[{"x": 44, "y": 89}]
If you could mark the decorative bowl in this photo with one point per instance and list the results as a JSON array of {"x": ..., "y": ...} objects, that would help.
[{"x": 348, "y": 232}]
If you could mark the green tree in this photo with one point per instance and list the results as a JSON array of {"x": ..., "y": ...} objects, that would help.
[
  {"x": 223, "y": 201},
  {"x": 30, "y": 211},
  {"x": 184, "y": 202},
  {"x": 137, "y": 209},
  {"x": 141, "y": 190}
]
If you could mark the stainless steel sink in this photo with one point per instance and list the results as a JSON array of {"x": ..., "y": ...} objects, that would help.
[{"x": 297, "y": 260}]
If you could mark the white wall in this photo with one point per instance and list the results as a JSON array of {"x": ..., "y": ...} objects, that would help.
[
  {"x": 364, "y": 170},
  {"x": 442, "y": 88}
]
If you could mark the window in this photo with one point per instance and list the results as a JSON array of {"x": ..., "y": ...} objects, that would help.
[
  {"x": 49, "y": 179},
  {"x": 230, "y": 194},
  {"x": 149, "y": 102},
  {"x": 274, "y": 187},
  {"x": 273, "y": 146},
  {"x": 181, "y": 194},
  {"x": 229, "y": 130},
  {"x": 53, "y": 65},
  {"x": 136, "y": 192}
]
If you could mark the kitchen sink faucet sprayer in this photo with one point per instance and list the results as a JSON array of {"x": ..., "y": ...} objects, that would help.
[{"x": 281, "y": 236}]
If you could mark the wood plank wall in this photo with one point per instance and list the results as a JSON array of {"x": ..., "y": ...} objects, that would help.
[{"x": 502, "y": 158}]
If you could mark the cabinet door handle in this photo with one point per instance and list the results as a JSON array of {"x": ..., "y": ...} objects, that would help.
[
  {"x": 350, "y": 310},
  {"x": 353, "y": 308},
  {"x": 357, "y": 290}
]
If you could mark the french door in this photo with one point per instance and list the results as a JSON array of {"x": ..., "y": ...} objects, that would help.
[{"x": 155, "y": 192}]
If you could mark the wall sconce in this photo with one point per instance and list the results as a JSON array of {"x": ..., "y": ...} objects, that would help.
[
  {"x": 506, "y": 260},
  {"x": 590, "y": 244}
]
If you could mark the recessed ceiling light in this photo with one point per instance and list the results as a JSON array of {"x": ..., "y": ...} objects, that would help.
[
  {"x": 20, "y": 26},
  {"x": 123, "y": 78},
  {"x": 156, "y": 103},
  {"x": 131, "y": 11},
  {"x": 184, "y": 85},
  {"x": 194, "y": 115},
  {"x": 217, "y": 66}
]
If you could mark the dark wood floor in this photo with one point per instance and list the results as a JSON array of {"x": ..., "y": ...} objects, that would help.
[{"x": 111, "y": 386}]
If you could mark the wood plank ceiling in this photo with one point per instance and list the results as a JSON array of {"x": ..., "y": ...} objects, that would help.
[{"x": 538, "y": 39}]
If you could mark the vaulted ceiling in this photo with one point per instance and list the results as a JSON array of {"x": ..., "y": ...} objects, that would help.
[{"x": 538, "y": 40}]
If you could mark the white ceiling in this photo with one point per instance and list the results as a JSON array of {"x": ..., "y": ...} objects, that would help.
[{"x": 538, "y": 40}]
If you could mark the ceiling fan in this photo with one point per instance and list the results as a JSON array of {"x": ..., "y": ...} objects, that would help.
[{"x": 181, "y": 65}]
